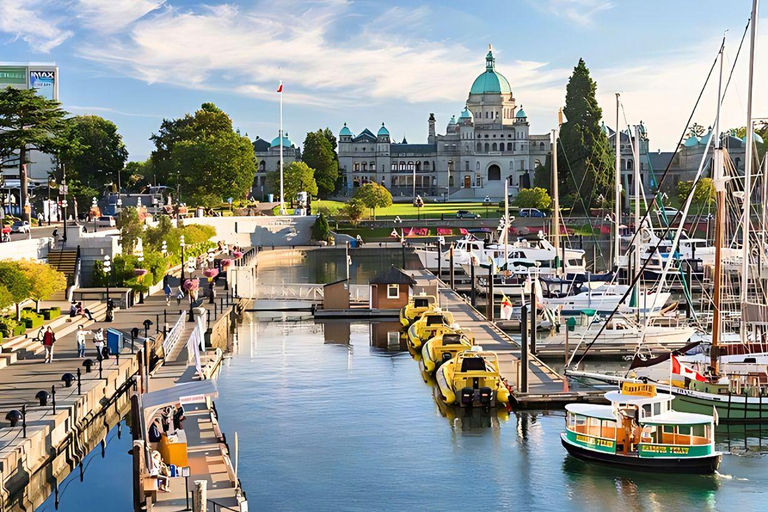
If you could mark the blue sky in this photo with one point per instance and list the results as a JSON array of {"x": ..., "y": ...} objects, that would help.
[{"x": 364, "y": 62}]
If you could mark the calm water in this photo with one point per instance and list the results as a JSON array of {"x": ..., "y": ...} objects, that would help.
[
  {"x": 327, "y": 265},
  {"x": 329, "y": 420}
]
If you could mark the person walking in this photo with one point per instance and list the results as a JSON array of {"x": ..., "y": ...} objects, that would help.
[
  {"x": 167, "y": 290},
  {"x": 179, "y": 295},
  {"x": 80, "y": 336},
  {"x": 49, "y": 338},
  {"x": 98, "y": 341}
]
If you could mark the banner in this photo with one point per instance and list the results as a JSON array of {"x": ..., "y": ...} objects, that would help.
[
  {"x": 13, "y": 75},
  {"x": 44, "y": 82}
]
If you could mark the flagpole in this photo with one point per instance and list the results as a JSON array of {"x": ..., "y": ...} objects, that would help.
[{"x": 282, "y": 199}]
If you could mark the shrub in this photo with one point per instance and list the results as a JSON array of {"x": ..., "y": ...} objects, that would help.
[
  {"x": 320, "y": 229},
  {"x": 19, "y": 330},
  {"x": 7, "y": 324}
]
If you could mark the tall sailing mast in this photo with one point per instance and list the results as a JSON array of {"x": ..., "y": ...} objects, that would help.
[
  {"x": 719, "y": 179},
  {"x": 617, "y": 191},
  {"x": 556, "y": 194}
]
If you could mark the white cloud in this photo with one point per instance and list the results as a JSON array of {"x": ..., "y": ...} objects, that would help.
[
  {"x": 110, "y": 16},
  {"x": 23, "y": 21},
  {"x": 108, "y": 110},
  {"x": 581, "y": 12}
]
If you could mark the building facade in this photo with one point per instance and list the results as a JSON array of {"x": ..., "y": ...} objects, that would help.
[
  {"x": 268, "y": 156},
  {"x": 489, "y": 143}
]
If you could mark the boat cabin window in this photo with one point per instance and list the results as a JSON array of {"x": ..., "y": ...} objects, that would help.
[
  {"x": 594, "y": 427},
  {"x": 451, "y": 339},
  {"x": 473, "y": 364},
  {"x": 574, "y": 262},
  {"x": 421, "y": 303},
  {"x": 685, "y": 435},
  {"x": 434, "y": 320}
]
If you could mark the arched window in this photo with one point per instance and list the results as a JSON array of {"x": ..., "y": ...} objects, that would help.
[
  {"x": 541, "y": 146},
  {"x": 486, "y": 147},
  {"x": 426, "y": 166},
  {"x": 450, "y": 181},
  {"x": 629, "y": 165},
  {"x": 493, "y": 147},
  {"x": 509, "y": 146},
  {"x": 494, "y": 173},
  {"x": 363, "y": 166},
  {"x": 479, "y": 147}
]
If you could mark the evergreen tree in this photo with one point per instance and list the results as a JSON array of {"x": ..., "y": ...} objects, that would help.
[
  {"x": 585, "y": 164},
  {"x": 29, "y": 121},
  {"x": 318, "y": 154}
]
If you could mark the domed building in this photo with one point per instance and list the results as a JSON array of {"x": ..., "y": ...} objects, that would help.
[
  {"x": 268, "y": 155},
  {"x": 487, "y": 143}
]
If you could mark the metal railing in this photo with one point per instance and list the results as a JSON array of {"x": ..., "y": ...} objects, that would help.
[
  {"x": 218, "y": 506},
  {"x": 174, "y": 335},
  {"x": 304, "y": 291}
]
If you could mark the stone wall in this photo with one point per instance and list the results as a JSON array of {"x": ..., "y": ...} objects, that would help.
[{"x": 260, "y": 231}]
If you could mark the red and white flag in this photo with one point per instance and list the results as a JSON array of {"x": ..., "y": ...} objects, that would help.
[
  {"x": 280, "y": 87},
  {"x": 684, "y": 371},
  {"x": 506, "y": 308}
]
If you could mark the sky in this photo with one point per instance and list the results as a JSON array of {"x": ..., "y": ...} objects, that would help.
[{"x": 136, "y": 62}]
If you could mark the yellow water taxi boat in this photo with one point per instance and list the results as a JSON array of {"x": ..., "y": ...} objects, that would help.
[
  {"x": 472, "y": 378},
  {"x": 443, "y": 348},
  {"x": 429, "y": 325},
  {"x": 416, "y": 307}
]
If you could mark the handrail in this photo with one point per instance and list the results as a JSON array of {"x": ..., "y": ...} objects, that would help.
[
  {"x": 173, "y": 336},
  {"x": 220, "y": 506}
]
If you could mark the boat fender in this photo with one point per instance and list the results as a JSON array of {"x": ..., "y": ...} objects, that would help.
[
  {"x": 446, "y": 357},
  {"x": 467, "y": 396}
]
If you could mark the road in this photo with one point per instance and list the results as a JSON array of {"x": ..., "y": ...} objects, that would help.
[{"x": 38, "y": 232}]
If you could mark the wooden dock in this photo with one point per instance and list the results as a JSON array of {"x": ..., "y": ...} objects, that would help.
[{"x": 546, "y": 387}]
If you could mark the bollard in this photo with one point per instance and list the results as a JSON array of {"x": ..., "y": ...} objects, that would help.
[
  {"x": 79, "y": 388},
  {"x": 101, "y": 359},
  {"x": 524, "y": 349},
  {"x": 53, "y": 398},
  {"x": 24, "y": 419}
]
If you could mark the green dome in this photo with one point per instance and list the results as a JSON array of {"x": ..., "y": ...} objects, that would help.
[
  {"x": 691, "y": 141},
  {"x": 452, "y": 121},
  {"x": 755, "y": 137},
  {"x": 345, "y": 131},
  {"x": 705, "y": 139},
  {"x": 465, "y": 114},
  {"x": 382, "y": 131},
  {"x": 490, "y": 82},
  {"x": 521, "y": 113},
  {"x": 286, "y": 141}
]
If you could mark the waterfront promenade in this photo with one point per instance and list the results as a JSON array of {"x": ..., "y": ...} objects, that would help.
[{"x": 56, "y": 441}]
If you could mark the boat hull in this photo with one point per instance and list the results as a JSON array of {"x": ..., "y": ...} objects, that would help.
[{"x": 689, "y": 465}]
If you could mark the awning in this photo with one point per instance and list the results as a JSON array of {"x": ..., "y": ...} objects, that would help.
[{"x": 189, "y": 392}]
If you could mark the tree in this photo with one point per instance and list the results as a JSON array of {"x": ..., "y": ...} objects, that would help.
[
  {"x": 354, "y": 209},
  {"x": 297, "y": 177},
  {"x": 703, "y": 196},
  {"x": 533, "y": 198},
  {"x": 131, "y": 228},
  {"x": 29, "y": 121},
  {"x": 373, "y": 196},
  {"x": 215, "y": 168},
  {"x": 204, "y": 156},
  {"x": 98, "y": 154},
  {"x": 137, "y": 176},
  {"x": 43, "y": 279},
  {"x": 15, "y": 282},
  {"x": 542, "y": 174},
  {"x": 585, "y": 164},
  {"x": 318, "y": 154},
  {"x": 320, "y": 229}
]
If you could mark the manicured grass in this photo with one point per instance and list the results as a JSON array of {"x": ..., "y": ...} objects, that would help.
[{"x": 428, "y": 211}]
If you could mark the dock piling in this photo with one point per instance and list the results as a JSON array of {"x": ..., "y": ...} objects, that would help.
[
  {"x": 53, "y": 398},
  {"x": 533, "y": 316},
  {"x": 24, "y": 418},
  {"x": 450, "y": 263},
  {"x": 524, "y": 349},
  {"x": 439, "y": 259}
]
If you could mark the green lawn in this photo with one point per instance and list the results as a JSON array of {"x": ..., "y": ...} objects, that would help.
[{"x": 428, "y": 211}]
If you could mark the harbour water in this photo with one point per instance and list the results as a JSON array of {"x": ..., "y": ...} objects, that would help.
[{"x": 327, "y": 422}]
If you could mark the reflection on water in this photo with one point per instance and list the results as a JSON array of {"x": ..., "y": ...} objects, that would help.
[
  {"x": 327, "y": 265},
  {"x": 334, "y": 417}
]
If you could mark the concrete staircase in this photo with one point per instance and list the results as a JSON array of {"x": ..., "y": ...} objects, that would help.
[
  {"x": 23, "y": 347},
  {"x": 66, "y": 262}
]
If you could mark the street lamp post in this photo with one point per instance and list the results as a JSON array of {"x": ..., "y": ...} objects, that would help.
[
  {"x": 64, "y": 208},
  {"x": 140, "y": 258},
  {"x": 487, "y": 202},
  {"x": 182, "y": 244}
]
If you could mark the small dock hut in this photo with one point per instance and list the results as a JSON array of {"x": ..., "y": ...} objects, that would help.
[{"x": 391, "y": 289}]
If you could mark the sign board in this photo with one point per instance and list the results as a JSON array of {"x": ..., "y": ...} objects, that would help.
[
  {"x": 192, "y": 399},
  {"x": 63, "y": 190},
  {"x": 44, "y": 82},
  {"x": 638, "y": 389},
  {"x": 13, "y": 75}
]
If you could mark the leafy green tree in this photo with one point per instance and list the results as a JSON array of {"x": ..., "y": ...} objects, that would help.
[
  {"x": 703, "y": 196},
  {"x": 542, "y": 174},
  {"x": 43, "y": 279},
  {"x": 297, "y": 177},
  {"x": 15, "y": 282},
  {"x": 204, "y": 156},
  {"x": 98, "y": 154},
  {"x": 354, "y": 209},
  {"x": 320, "y": 229},
  {"x": 131, "y": 228},
  {"x": 533, "y": 198},
  {"x": 585, "y": 165},
  {"x": 6, "y": 299},
  {"x": 29, "y": 121},
  {"x": 137, "y": 176},
  {"x": 215, "y": 168},
  {"x": 318, "y": 154},
  {"x": 373, "y": 196}
]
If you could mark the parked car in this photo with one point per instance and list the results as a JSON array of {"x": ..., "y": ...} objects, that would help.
[
  {"x": 105, "y": 222},
  {"x": 20, "y": 227},
  {"x": 466, "y": 214},
  {"x": 531, "y": 212},
  {"x": 669, "y": 212}
]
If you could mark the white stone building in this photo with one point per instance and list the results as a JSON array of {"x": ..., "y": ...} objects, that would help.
[{"x": 488, "y": 143}]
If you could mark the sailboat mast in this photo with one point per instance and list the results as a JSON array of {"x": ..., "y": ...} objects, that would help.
[
  {"x": 617, "y": 189},
  {"x": 506, "y": 226},
  {"x": 748, "y": 166},
  {"x": 719, "y": 179},
  {"x": 636, "y": 183},
  {"x": 556, "y": 194}
]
